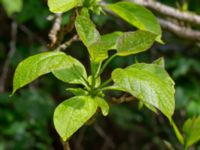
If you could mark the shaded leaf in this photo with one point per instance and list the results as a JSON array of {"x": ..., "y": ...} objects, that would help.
[
  {"x": 191, "y": 128},
  {"x": 134, "y": 42},
  {"x": 12, "y": 7},
  {"x": 77, "y": 91},
  {"x": 99, "y": 49}
]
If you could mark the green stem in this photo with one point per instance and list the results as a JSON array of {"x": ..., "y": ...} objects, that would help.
[
  {"x": 105, "y": 83},
  {"x": 177, "y": 132},
  {"x": 93, "y": 76},
  {"x": 106, "y": 64}
]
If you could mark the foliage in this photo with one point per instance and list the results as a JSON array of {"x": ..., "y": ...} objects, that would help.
[
  {"x": 182, "y": 63},
  {"x": 79, "y": 109}
]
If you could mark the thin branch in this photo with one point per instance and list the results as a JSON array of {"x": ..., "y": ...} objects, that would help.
[
  {"x": 66, "y": 44},
  {"x": 59, "y": 36},
  {"x": 170, "y": 11},
  {"x": 11, "y": 53},
  {"x": 55, "y": 29},
  {"x": 124, "y": 98},
  {"x": 180, "y": 31}
]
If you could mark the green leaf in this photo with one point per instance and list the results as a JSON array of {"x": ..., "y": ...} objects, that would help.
[
  {"x": 134, "y": 42},
  {"x": 86, "y": 28},
  {"x": 12, "y": 7},
  {"x": 137, "y": 16},
  {"x": 103, "y": 105},
  {"x": 40, "y": 64},
  {"x": 73, "y": 113},
  {"x": 99, "y": 49},
  {"x": 77, "y": 91},
  {"x": 149, "y": 83},
  {"x": 191, "y": 128},
  {"x": 59, "y": 6},
  {"x": 160, "y": 61}
]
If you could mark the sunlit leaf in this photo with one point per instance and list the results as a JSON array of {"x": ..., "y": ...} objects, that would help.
[
  {"x": 134, "y": 42},
  {"x": 137, "y": 16},
  {"x": 40, "y": 64},
  {"x": 73, "y": 113},
  {"x": 59, "y": 6},
  {"x": 149, "y": 83}
]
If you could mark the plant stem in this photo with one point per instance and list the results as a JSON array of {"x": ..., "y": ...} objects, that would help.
[
  {"x": 177, "y": 132},
  {"x": 105, "y": 83},
  {"x": 106, "y": 64},
  {"x": 65, "y": 145}
]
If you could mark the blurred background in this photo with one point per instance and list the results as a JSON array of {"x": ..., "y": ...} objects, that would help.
[{"x": 26, "y": 118}]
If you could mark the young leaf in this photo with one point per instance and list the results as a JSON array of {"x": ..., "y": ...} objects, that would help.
[
  {"x": 40, "y": 64},
  {"x": 103, "y": 105},
  {"x": 137, "y": 16},
  {"x": 73, "y": 113},
  {"x": 59, "y": 6},
  {"x": 149, "y": 83},
  {"x": 86, "y": 28},
  {"x": 99, "y": 49},
  {"x": 134, "y": 42},
  {"x": 77, "y": 91},
  {"x": 191, "y": 128}
]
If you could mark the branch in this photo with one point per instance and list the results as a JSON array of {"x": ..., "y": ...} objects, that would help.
[
  {"x": 180, "y": 31},
  {"x": 11, "y": 53},
  {"x": 170, "y": 11},
  {"x": 55, "y": 29},
  {"x": 68, "y": 43}
]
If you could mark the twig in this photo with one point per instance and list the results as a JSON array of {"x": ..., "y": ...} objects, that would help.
[
  {"x": 124, "y": 98},
  {"x": 11, "y": 53},
  {"x": 68, "y": 43},
  {"x": 170, "y": 11},
  {"x": 180, "y": 31},
  {"x": 55, "y": 29},
  {"x": 59, "y": 36}
]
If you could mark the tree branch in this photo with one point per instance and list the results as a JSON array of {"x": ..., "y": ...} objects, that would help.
[
  {"x": 169, "y": 11},
  {"x": 55, "y": 29},
  {"x": 180, "y": 31}
]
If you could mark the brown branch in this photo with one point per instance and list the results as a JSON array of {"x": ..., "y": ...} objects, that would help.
[
  {"x": 11, "y": 53},
  {"x": 180, "y": 31},
  {"x": 170, "y": 11},
  {"x": 124, "y": 98},
  {"x": 59, "y": 36},
  {"x": 55, "y": 29},
  {"x": 66, "y": 44}
]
